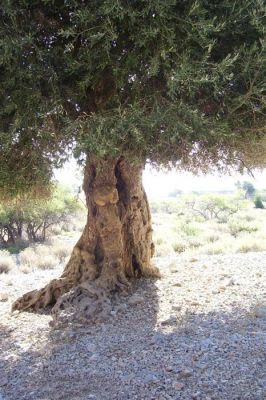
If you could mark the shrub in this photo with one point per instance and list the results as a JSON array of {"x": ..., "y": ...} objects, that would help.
[
  {"x": 28, "y": 257},
  {"x": 194, "y": 242},
  {"x": 25, "y": 269},
  {"x": 190, "y": 229},
  {"x": 215, "y": 248},
  {"x": 248, "y": 243},
  {"x": 6, "y": 262},
  {"x": 61, "y": 250},
  {"x": 258, "y": 202},
  {"x": 47, "y": 262},
  {"x": 180, "y": 246},
  {"x": 212, "y": 237},
  {"x": 43, "y": 257},
  {"x": 236, "y": 226}
]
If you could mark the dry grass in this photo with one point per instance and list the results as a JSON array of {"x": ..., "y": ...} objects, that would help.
[
  {"x": 7, "y": 262},
  {"x": 61, "y": 250},
  {"x": 242, "y": 232},
  {"x": 40, "y": 256}
]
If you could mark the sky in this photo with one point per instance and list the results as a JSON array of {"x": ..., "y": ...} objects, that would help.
[{"x": 160, "y": 184}]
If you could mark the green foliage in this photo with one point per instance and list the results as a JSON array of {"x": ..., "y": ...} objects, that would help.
[
  {"x": 212, "y": 206},
  {"x": 153, "y": 80},
  {"x": 237, "y": 226},
  {"x": 190, "y": 229},
  {"x": 29, "y": 218},
  {"x": 249, "y": 189},
  {"x": 258, "y": 202}
]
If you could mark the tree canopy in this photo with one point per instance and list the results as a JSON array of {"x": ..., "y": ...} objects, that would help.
[{"x": 174, "y": 82}]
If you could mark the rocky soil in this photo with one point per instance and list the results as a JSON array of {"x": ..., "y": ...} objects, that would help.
[{"x": 198, "y": 333}]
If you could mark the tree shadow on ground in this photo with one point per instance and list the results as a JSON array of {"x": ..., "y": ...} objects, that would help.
[{"x": 217, "y": 355}]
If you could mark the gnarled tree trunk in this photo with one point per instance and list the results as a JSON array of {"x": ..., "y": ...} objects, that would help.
[{"x": 116, "y": 244}]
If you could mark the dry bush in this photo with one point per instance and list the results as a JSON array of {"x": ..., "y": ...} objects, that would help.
[
  {"x": 220, "y": 247},
  {"x": 211, "y": 237},
  {"x": 37, "y": 257},
  {"x": 28, "y": 257},
  {"x": 25, "y": 269},
  {"x": 248, "y": 243},
  {"x": 42, "y": 250},
  {"x": 47, "y": 262},
  {"x": 163, "y": 250},
  {"x": 61, "y": 250},
  {"x": 180, "y": 245},
  {"x": 6, "y": 262}
]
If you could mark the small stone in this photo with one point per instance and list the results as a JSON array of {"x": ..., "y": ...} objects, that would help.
[
  {"x": 149, "y": 378},
  {"x": 170, "y": 321},
  {"x": 178, "y": 385},
  {"x": 195, "y": 396},
  {"x": 186, "y": 373},
  {"x": 260, "y": 311},
  {"x": 136, "y": 299},
  {"x": 71, "y": 335},
  {"x": 176, "y": 308},
  {"x": 91, "y": 347},
  {"x": 230, "y": 282},
  {"x": 222, "y": 288},
  {"x": 195, "y": 303},
  {"x": 120, "y": 308},
  {"x": 177, "y": 284},
  {"x": 168, "y": 368},
  {"x": 3, "y": 297},
  {"x": 94, "y": 357},
  {"x": 3, "y": 381}
]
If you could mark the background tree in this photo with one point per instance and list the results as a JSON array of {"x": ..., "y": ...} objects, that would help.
[
  {"x": 258, "y": 202},
  {"x": 25, "y": 219},
  {"x": 120, "y": 83},
  {"x": 249, "y": 189}
]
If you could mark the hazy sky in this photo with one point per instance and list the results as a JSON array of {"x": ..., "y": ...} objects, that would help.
[{"x": 159, "y": 184}]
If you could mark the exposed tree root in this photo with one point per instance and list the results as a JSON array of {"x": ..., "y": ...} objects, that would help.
[{"x": 115, "y": 246}]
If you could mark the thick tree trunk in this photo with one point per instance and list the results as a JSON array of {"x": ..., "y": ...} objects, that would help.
[{"x": 116, "y": 244}]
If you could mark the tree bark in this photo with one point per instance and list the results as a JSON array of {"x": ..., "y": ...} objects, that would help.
[{"x": 115, "y": 246}]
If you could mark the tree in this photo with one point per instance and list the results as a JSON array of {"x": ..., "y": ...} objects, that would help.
[
  {"x": 121, "y": 83},
  {"x": 249, "y": 189},
  {"x": 258, "y": 202},
  {"x": 23, "y": 218},
  {"x": 212, "y": 206}
]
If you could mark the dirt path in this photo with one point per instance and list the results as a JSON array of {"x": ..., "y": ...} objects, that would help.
[{"x": 198, "y": 333}]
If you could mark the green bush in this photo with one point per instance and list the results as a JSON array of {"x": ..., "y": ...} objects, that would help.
[
  {"x": 32, "y": 219},
  {"x": 237, "y": 226},
  {"x": 258, "y": 202},
  {"x": 190, "y": 229}
]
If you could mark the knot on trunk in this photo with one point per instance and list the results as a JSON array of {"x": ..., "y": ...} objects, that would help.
[{"x": 105, "y": 195}]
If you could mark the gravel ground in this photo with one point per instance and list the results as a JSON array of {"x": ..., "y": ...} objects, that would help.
[{"x": 197, "y": 333}]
